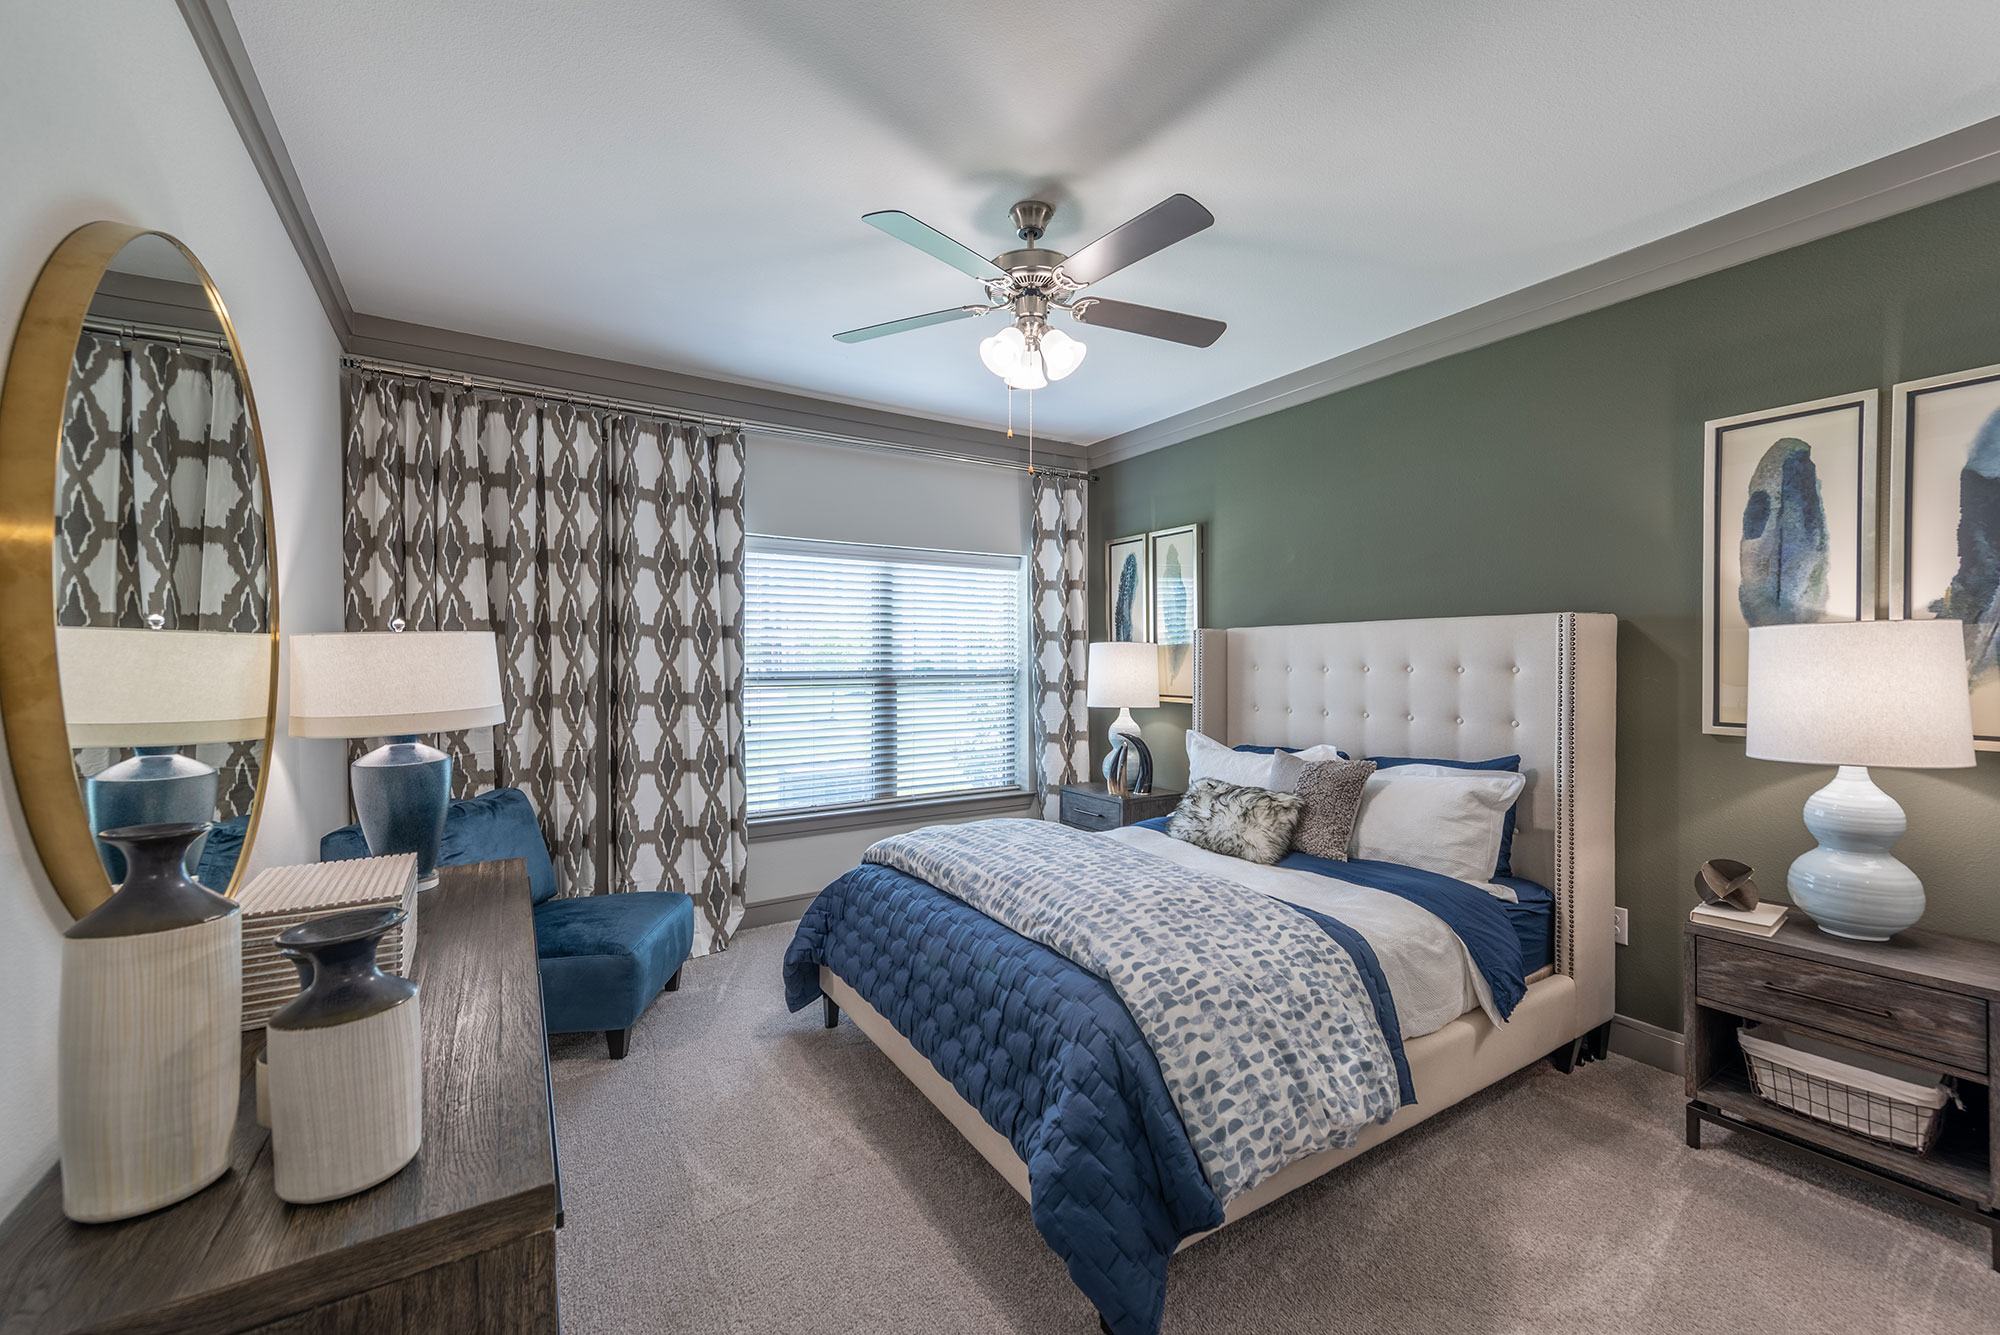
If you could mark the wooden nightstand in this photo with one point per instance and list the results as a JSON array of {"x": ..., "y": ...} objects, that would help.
[
  {"x": 1925, "y": 999},
  {"x": 1092, "y": 806}
]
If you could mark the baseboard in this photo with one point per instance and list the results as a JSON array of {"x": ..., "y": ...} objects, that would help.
[
  {"x": 1647, "y": 1043},
  {"x": 767, "y": 911}
]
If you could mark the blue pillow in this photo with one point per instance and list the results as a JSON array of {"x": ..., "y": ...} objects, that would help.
[
  {"x": 1511, "y": 764},
  {"x": 1288, "y": 750}
]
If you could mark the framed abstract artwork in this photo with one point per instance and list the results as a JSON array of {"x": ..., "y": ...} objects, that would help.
[
  {"x": 1129, "y": 589},
  {"x": 1175, "y": 555},
  {"x": 1944, "y": 520},
  {"x": 1788, "y": 533}
]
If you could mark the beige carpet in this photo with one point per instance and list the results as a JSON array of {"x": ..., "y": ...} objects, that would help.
[{"x": 744, "y": 1170}]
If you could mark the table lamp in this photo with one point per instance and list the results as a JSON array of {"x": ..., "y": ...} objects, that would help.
[
  {"x": 1856, "y": 694},
  {"x": 1125, "y": 675},
  {"x": 157, "y": 691},
  {"x": 393, "y": 685}
]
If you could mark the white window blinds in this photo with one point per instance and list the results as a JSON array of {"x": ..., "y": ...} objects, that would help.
[{"x": 878, "y": 674}]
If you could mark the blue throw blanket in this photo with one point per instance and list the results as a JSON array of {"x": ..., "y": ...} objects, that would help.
[{"x": 1052, "y": 1059}]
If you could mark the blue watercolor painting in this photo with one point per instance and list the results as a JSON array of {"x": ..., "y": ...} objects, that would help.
[
  {"x": 1128, "y": 589},
  {"x": 1784, "y": 555},
  {"x": 1974, "y": 594}
]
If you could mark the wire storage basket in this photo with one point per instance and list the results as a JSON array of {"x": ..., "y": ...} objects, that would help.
[{"x": 1799, "y": 1074}]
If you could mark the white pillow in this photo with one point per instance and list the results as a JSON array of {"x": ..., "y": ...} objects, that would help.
[
  {"x": 1210, "y": 759},
  {"x": 1449, "y": 824}
]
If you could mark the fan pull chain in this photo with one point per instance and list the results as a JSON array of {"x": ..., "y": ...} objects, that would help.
[
  {"x": 1031, "y": 433},
  {"x": 1010, "y": 412}
]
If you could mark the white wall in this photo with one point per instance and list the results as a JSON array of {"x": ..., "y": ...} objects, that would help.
[
  {"x": 107, "y": 111},
  {"x": 800, "y": 489}
]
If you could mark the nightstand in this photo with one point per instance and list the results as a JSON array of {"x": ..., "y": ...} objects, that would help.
[
  {"x": 1924, "y": 999},
  {"x": 1092, "y": 806}
]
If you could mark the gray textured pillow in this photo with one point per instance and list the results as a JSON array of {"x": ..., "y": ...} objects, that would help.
[
  {"x": 1254, "y": 824},
  {"x": 1332, "y": 794}
]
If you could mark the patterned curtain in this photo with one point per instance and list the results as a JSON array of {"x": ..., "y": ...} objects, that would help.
[
  {"x": 1062, "y": 634},
  {"x": 605, "y": 552},
  {"x": 159, "y": 511}
]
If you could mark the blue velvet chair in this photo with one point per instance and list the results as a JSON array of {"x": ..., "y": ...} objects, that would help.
[{"x": 604, "y": 957}]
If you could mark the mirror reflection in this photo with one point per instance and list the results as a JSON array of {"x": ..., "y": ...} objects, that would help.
[{"x": 162, "y": 577}]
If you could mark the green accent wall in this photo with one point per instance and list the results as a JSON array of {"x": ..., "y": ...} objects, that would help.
[{"x": 1561, "y": 470}]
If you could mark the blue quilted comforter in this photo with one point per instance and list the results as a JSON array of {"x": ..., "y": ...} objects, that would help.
[{"x": 1048, "y": 1054}]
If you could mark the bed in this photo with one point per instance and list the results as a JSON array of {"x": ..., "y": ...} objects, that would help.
[{"x": 1035, "y": 1060}]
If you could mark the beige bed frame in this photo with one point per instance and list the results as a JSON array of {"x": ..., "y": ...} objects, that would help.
[{"x": 1467, "y": 688}]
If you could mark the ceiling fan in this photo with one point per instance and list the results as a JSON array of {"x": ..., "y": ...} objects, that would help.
[{"x": 1032, "y": 281}]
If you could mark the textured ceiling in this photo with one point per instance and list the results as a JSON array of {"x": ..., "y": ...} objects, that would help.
[{"x": 680, "y": 184}]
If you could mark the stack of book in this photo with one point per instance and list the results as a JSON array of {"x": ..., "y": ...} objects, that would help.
[
  {"x": 282, "y": 897},
  {"x": 1764, "y": 920}
]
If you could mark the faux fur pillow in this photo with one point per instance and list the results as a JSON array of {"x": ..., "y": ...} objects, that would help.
[
  {"x": 1332, "y": 793},
  {"x": 1254, "y": 824}
]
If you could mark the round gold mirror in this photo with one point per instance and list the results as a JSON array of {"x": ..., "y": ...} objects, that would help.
[{"x": 138, "y": 600}]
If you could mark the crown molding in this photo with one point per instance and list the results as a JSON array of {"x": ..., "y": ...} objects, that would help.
[
  {"x": 476, "y": 354},
  {"x": 221, "y": 45},
  {"x": 1949, "y": 165}
]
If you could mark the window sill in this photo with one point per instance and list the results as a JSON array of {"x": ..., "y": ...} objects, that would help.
[{"x": 962, "y": 807}]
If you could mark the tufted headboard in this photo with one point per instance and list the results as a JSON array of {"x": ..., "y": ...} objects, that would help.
[{"x": 1543, "y": 686}]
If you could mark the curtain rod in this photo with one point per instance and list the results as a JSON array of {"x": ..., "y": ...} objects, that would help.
[
  {"x": 643, "y": 408},
  {"x": 97, "y": 324}
]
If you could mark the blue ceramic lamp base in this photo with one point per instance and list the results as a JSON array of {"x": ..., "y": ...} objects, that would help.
[
  {"x": 401, "y": 790},
  {"x": 157, "y": 786}
]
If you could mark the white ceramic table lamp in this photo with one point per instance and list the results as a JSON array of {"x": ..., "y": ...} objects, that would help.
[
  {"x": 156, "y": 691},
  {"x": 1856, "y": 694},
  {"x": 1125, "y": 675},
  {"x": 394, "y": 685}
]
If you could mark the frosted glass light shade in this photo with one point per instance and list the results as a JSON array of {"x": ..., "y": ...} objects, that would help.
[
  {"x": 1061, "y": 354},
  {"x": 129, "y": 687},
  {"x": 1005, "y": 352},
  {"x": 1860, "y": 693},
  {"x": 1123, "y": 675},
  {"x": 394, "y": 683}
]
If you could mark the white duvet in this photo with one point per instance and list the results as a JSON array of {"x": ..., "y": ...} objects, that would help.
[{"x": 1430, "y": 973}]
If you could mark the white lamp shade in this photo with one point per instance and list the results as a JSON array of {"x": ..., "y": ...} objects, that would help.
[
  {"x": 392, "y": 683},
  {"x": 1123, "y": 675},
  {"x": 125, "y": 687},
  {"x": 1860, "y": 693}
]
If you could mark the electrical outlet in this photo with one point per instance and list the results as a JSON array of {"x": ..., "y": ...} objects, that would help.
[{"x": 1621, "y": 926}]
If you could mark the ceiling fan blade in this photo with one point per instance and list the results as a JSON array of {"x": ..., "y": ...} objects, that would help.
[
  {"x": 932, "y": 242},
  {"x": 1151, "y": 321},
  {"x": 866, "y": 332},
  {"x": 1175, "y": 218}
]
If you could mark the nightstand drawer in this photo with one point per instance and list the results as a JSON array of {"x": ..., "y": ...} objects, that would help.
[
  {"x": 1923, "y": 1022},
  {"x": 1085, "y": 814}
]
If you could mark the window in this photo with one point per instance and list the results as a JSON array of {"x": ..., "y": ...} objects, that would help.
[{"x": 878, "y": 674}]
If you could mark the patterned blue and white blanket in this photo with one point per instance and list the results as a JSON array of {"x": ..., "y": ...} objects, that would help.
[{"x": 1263, "y": 1025}]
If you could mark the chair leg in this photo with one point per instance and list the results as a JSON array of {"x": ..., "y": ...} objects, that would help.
[
  {"x": 620, "y": 1040},
  {"x": 832, "y": 1012},
  {"x": 674, "y": 983}
]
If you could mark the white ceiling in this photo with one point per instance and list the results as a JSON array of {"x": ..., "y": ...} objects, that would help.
[{"x": 681, "y": 184}]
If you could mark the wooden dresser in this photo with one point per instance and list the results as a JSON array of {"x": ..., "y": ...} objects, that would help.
[
  {"x": 1925, "y": 999},
  {"x": 463, "y": 1239}
]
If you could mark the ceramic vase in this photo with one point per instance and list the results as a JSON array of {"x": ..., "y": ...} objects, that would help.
[
  {"x": 150, "y": 1063},
  {"x": 346, "y": 1063}
]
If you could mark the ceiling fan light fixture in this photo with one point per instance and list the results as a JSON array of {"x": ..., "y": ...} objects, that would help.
[{"x": 1061, "y": 354}]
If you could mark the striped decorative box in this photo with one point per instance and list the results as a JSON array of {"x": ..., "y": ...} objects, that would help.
[{"x": 281, "y": 897}]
